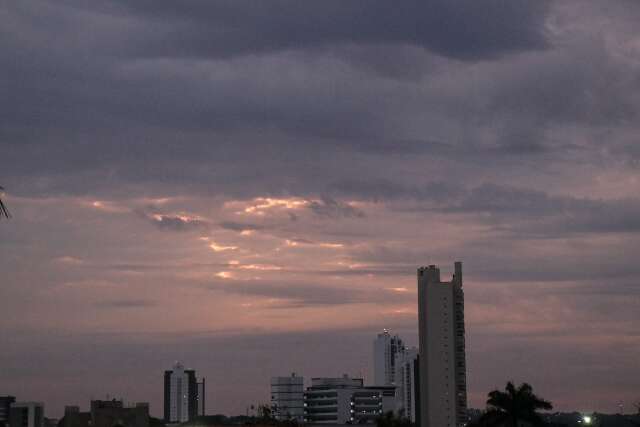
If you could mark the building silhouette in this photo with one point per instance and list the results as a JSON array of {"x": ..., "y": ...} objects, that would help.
[
  {"x": 26, "y": 414},
  {"x": 107, "y": 413},
  {"x": 5, "y": 406},
  {"x": 443, "y": 387},
  {"x": 180, "y": 395}
]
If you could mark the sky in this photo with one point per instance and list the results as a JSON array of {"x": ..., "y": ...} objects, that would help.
[{"x": 249, "y": 187}]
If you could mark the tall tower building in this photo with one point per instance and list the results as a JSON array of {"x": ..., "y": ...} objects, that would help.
[
  {"x": 180, "y": 395},
  {"x": 386, "y": 352},
  {"x": 443, "y": 385}
]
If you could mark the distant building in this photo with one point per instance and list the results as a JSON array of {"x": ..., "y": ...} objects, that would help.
[
  {"x": 26, "y": 414},
  {"x": 408, "y": 385},
  {"x": 287, "y": 397},
  {"x": 443, "y": 387},
  {"x": 386, "y": 350},
  {"x": 180, "y": 395},
  {"x": 5, "y": 405},
  {"x": 107, "y": 413},
  {"x": 346, "y": 400},
  {"x": 201, "y": 396}
]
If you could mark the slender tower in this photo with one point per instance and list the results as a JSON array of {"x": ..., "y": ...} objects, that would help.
[
  {"x": 443, "y": 384},
  {"x": 387, "y": 350}
]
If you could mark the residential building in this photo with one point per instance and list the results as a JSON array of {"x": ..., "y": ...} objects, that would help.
[
  {"x": 443, "y": 389},
  {"x": 386, "y": 350},
  {"x": 346, "y": 400},
  {"x": 5, "y": 406},
  {"x": 26, "y": 414},
  {"x": 287, "y": 397},
  {"x": 180, "y": 395},
  {"x": 408, "y": 385}
]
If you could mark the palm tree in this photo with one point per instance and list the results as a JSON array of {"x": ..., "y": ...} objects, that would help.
[
  {"x": 513, "y": 407},
  {"x": 3, "y": 209}
]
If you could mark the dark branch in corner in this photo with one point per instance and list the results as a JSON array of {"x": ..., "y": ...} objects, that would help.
[{"x": 3, "y": 209}]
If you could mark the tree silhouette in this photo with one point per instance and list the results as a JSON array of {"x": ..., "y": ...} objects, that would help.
[
  {"x": 4, "y": 212},
  {"x": 513, "y": 407},
  {"x": 389, "y": 419}
]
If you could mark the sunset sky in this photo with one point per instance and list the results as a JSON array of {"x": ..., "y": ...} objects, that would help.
[{"x": 249, "y": 186}]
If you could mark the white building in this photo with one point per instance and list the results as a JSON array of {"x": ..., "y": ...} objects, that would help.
[
  {"x": 386, "y": 350},
  {"x": 346, "y": 400},
  {"x": 287, "y": 397},
  {"x": 443, "y": 389},
  {"x": 26, "y": 414},
  {"x": 180, "y": 395},
  {"x": 407, "y": 385}
]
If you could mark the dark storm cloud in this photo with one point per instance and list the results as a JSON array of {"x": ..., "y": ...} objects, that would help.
[
  {"x": 240, "y": 226},
  {"x": 172, "y": 222},
  {"x": 331, "y": 208},
  {"x": 385, "y": 189},
  {"x": 462, "y": 29},
  {"x": 558, "y": 215}
]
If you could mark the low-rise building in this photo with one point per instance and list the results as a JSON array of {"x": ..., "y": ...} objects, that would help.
[{"x": 346, "y": 400}]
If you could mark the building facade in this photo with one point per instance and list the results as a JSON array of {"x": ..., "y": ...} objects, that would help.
[
  {"x": 5, "y": 406},
  {"x": 408, "y": 385},
  {"x": 287, "y": 397},
  {"x": 180, "y": 395},
  {"x": 346, "y": 400},
  {"x": 386, "y": 351},
  {"x": 201, "y": 396},
  {"x": 443, "y": 387},
  {"x": 26, "y": 414}
]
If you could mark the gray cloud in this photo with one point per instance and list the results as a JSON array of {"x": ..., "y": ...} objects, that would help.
[
  {"x": 331, "y": 208},
  {"x": 240, "y": 226},
  {"x": 173, "y": 222},
  {"x": 305, "y": 294},
  {"x": 125, "y": 304},
  {"x": 463, "y": 30}
]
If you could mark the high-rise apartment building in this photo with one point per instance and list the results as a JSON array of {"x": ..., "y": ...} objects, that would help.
[
  {"x": 443, "y": 386},
  {"x": 287, "y": 398},
  {"x": 386, "y": 351},
  {"x": 26, "y": 414},
  {"x": 180, "y": 395},
  {"x": 408, "y": 385}
]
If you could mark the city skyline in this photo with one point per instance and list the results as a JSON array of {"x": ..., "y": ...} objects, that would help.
[{"x": 249, "y": 189}]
